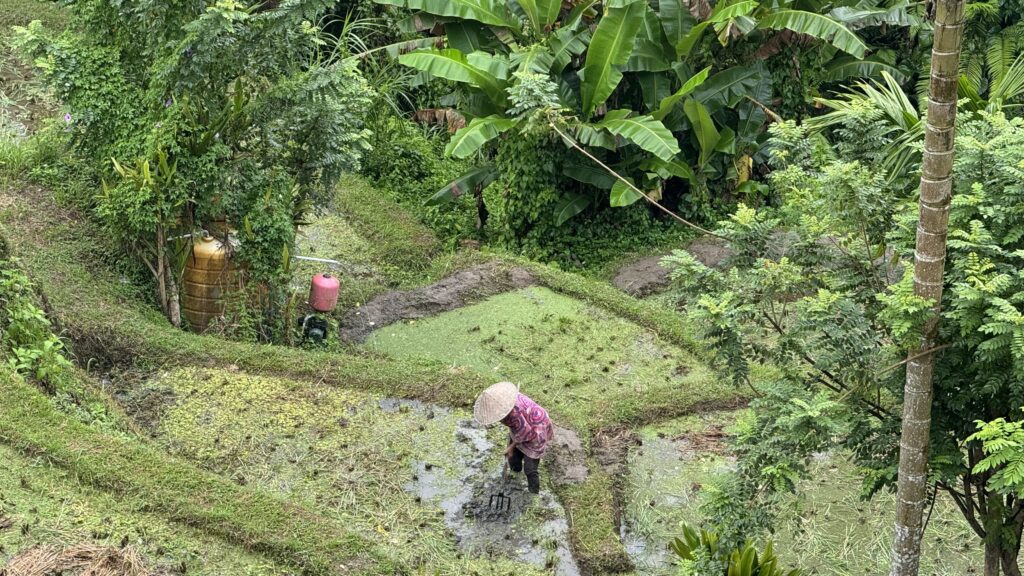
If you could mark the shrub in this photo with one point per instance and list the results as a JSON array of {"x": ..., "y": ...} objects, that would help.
[{"x": 245, "y": 115}]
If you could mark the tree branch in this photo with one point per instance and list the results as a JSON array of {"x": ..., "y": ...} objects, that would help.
[
  {"x": 836, "y": 385},
  {"x": 915, "y": 357}
]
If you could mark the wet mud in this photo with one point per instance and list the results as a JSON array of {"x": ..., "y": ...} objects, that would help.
[
  {"x": 455, "y": 291},
  {"x": 531, "y": 528}
]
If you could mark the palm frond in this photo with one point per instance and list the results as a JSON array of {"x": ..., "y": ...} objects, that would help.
[{"x": 1010, "y": 87}]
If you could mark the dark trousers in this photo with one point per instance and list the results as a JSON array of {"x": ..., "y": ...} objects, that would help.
[{"x": 520, "y": 462}]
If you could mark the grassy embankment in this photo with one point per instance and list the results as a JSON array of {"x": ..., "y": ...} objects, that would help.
[
  {"x": 145, "y": 481},
  {"x": 107, "y": 320}
]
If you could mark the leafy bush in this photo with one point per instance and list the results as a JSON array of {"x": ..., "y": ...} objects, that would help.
[
  {"x": 819, "y": 298},
  {"x": 408, "y": 164},
  {"x": 255, "y": 112},
  {"x": 25, "y": 330}
]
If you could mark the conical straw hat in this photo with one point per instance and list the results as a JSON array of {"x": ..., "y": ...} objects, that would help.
[{"x": 495, "y": 403}]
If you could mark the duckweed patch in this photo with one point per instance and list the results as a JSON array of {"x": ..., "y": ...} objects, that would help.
[
  {"x": 589, "y": 367},
  {"x": 133, "y": 471},
  {"x": 398, "y": 472}
]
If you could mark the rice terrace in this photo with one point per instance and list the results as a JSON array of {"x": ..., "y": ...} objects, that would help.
[{"x": 523, "y": 287}]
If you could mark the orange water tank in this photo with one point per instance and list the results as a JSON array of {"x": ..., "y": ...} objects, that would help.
[{"x": 209, "y": 277}]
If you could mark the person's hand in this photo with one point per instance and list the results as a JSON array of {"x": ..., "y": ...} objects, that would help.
[{"x": 508, "y": 451}]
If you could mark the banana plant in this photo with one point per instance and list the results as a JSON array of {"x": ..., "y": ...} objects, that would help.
[
  {"x": 740, "y": 561},
  {"x": 624, "y": 80}
]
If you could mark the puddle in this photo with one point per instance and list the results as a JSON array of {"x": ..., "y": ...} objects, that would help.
[
  {"x": 533, "y": 530},
  {"x": 663, "y": 483}
]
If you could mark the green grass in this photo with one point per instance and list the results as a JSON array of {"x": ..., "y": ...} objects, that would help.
[
  {"x": 593, "y": 520},
  {"x": 589, "y": 367},
  {"x": 400, "y": 246},
  {"x": 21, "y": 12},
  {"x": 47, "y": 505},
  {"x": 175, "y": 490}
]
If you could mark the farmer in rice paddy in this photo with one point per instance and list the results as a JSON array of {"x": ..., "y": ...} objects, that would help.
[{"x": 529, "y": 427}]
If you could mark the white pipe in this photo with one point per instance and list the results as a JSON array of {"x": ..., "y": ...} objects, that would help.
[{"x": 311, "y": 259}]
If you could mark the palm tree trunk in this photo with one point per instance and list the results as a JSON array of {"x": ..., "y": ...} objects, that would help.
[{"x": 929, "y": 264}]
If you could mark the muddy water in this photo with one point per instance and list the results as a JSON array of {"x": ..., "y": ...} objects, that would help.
[
  {"x": 534, "y": 528},
  {"x": 662, "y": 488}
]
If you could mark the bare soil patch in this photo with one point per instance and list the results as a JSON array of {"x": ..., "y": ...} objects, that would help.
[
  {"x": 642, "y": 278},
  {"x": 568, "y": 459}
]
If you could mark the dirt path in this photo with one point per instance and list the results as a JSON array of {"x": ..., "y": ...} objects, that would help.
[{"x": 455, "y": 291}]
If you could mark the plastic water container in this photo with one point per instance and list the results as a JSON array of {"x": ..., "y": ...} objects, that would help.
[{"x": 323, "y": 292}]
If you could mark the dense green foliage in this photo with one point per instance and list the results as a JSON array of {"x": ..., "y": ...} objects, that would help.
[
  {"x": 704, "y": 553},
  {"x": 688, "y": 123},
  {"x": 825, "y": 304},
  {"x": 197, "y": 114}
]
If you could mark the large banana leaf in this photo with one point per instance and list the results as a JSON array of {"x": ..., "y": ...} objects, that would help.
[
  {"x": 726, "y": 88},
  {"x": 452, "y": 65},
  {"x": 751, "y": 115},
  {"x": 537, "y": 59},
  {"x": 703, "y": 128},
  {"x": 608, "y": 52},
  {"x": 851, "y": 67},
  {"x": 478, "y": 177},
  {"x": 469, "y": 139},
  {"x": 570, "y": 205},
  {"x": 721, "y": 13},
  {"x": 654, "y": 87},
  {"x": 467, "y": 36},
  {"x": 855, "y": 18},
  {"x": 623, "y": 195},
  {"x": 540, "y": 13},
  {"x": 651, "y": 52},
  {"x": 565, "y": 43},
  {"x": 665, "y": 170},
  {"x": 579, "y": 11},
  {"x": 818, "y": 26},
  {"x": 493, "y": 12},
  {"x": 589, "y": 174},
  {"x": 644, "y": 131},
  {"x": 676, "y": 19},
  {"x": 670, "y": 102},
  {"x": 496, "y": 66}
]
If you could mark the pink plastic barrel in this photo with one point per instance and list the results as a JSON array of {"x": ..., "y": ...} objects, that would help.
[{"x": 323, "y": 293}]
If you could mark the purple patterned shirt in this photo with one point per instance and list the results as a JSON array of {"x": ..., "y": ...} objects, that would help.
[{"x": 529, "y": 426}]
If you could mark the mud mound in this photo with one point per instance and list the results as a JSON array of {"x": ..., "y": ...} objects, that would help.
[
  {"x": 611, "y": 447},
  {"x": 642, "y": 278},
  {"x": 709, "y": 251},
  {"x": 453, "y": 292},
  {"x": 568, "y": 461},
  {"x": 84, "y": 560}
]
